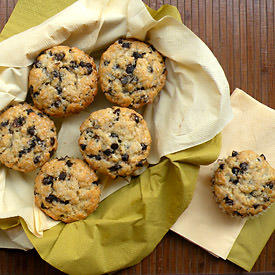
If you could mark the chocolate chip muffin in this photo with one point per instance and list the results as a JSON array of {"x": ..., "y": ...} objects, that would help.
[
  {"x": 63, "y": 81},
  {"x": 28, "y": 138},
  {"x": 115, "y": 141},
  {"x": 131, "y": 73},
  {"x": 244, "y": 184},
  {"x": 66, "y": 189}
]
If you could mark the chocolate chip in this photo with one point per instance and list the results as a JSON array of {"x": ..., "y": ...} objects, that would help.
[
  {"x": 235, "y": 170},
  {"x": 120, "y": 41},
  {"x": 22, "y": 152},
  {"x": 115, "y": 167},
  {"x": 96, "y": 137},
  {"x": 96, "y": 157},
  {"x": 64, "y": 202},
  {"x": 51, "y": 153},
  {"x": 61, "y": 158},
  {"x": 137, "y": 55},
  {"x": 244, "y": 166},
  {"x": 124, "y": 80},
  {"x": 107, "y": 152},
  {"x": 59, "y": 56},
  {"x": 55, "y": 73},
  {"x": 69, "y": 163},
  {"x": 59, "y": 90},
  {"x": 115, "y": 67},
  {"x": 126, "y": 45},
  {"x": 48, "y": 180},
  {"x": 255, "y": 206},
  {"x": 73, "y": 65},
  {"x": 52, "y": 198},
  {"x": 235, "y": 181},
  {"x": 4, "y": 123},
  {"x": 32, "y": 143},
  {"x": 135, "y": 117},
  {"x": 228, "y": 201},
  {"x": 18, "y": 122},
  {"x": 143, "y": 146},
  {"x": 263, "y": 156},
  {"x": 52, "y": 141},
  {"x": 125, "y": 157},
  {"x": 57, "y": 103},
  {"x": 106, "y": 62},
  {"x": 164, "y": 70},
  {"x": 29, "y": 111},
  {"x": 270, "y": 185},
  {"x": 150, "y": 69},
  {"x": 140, "y": 163},
  {"x": 114, "y": 135},
  {"x": 36, "y": 159},
  {"x": 221, "y": 166},
  {"x": 37, "y": 64},
  {"x": 89, "y": 66},
  {"x": 36, "y": 94},
  {"x": 130, "y": 68},
  {"x": 114, "y": 146},
  {"x": 62, "y": 175},
  {"x": 237, "y": 213},
  {"x": 117, "y": 111},
  {"x": 96, "y": 182},
  {"x": 83, "y": 147},
  {"x": 31, "y": 130},
  {"x": 43, "y": 206},
  {"x": 234, "y": 153}
]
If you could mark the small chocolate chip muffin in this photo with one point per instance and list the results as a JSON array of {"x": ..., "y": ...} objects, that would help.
[
  {"x": 244, "y": 184},
  {"x": 63, "y": 81},
  {"x": 28, "y": 138},
  {"x": 66, "y": 189},
  {"x": 115, "y": 141},
  {"x": 131, "y": 73}
]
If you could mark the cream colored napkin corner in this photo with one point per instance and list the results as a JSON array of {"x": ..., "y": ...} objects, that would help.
[{"x": 203, "y": 223}]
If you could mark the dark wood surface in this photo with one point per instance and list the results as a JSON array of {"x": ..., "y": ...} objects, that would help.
[{"x": 240, "y": 33}]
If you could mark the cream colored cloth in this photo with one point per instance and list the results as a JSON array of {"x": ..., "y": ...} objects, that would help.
[
  {"x": 203, "y": 223},
  {"x": 193, "y": 107}
]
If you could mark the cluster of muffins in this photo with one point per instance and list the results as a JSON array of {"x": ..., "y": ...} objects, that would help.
[{"x": 114, "y": 141}]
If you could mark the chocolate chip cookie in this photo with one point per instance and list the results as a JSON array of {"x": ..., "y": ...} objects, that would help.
[
  {"x": 28, "y": 138},
  {"x": 115, "y": 141},
  {"x": 63, "y": 81},
  {"x": 244, "y": 184},
  {"x": 131, "y": 73},
  {"x": 66, "y": 189}
]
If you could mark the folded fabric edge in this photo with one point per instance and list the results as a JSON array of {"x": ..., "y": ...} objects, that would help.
[
  {"x": 8, "y": 223},
  {"x": 243, "y": 252}
]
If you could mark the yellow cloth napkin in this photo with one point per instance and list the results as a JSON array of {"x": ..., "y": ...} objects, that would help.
[
  {"x": 236, "y": 239},
  {"x": 196, "y": 88}
]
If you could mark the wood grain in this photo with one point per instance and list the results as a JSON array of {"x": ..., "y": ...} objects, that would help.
[{"x": 240, "y": 33}]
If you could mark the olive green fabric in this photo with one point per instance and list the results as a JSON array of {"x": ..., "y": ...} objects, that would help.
[
  {"x": 9, "y": 223},
  {"x": 252, "y": 239}
]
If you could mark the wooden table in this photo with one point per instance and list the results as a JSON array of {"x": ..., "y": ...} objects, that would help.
[{"x": 240, "y": 33}]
